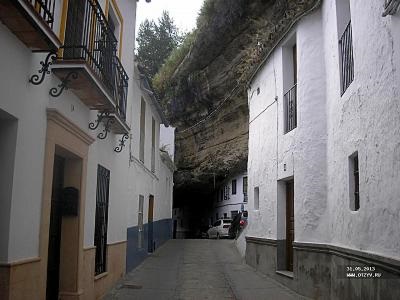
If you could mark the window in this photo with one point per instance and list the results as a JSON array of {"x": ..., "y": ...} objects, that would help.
[
  {"x": 256, "y": 198},
  {"x": 225, "y": 215},
  {"x": 115, "y": 22},
  {"x": 354, "y": 184},
  {"x": 234, "y": 213},
  {"x": 245, "y": 183},
  {"x": 101, "y": 219},
  {"x": 226, "y": 192},
  {"x": 142, "y": 129},
  {"x": 234, "y": 187},
  {"x": 346, "y": 61},
  {"x": 290, "y": 85},
  {"x": 153, "y": 145},
  {"x": 140, "y": 222}
]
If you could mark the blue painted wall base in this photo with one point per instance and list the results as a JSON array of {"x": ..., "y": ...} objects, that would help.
[{"x": 162, "y": 232}]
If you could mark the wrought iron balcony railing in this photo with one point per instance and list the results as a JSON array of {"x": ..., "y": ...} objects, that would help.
[
  {"x": 32, "y": 22},
  {"x": 346, "y": 59},
  {"x": 45, "y": 9},
  {"x": 90, "y": 38},
  {"x": 290, "y": 103},
  {"x": 121, "y": 90}
]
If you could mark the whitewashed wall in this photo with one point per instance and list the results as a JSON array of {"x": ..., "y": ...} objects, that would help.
[
  {"x": 329, "y": 129},
  {"x": 367, "y": 119},
  {"x": 28, "y": 104}
]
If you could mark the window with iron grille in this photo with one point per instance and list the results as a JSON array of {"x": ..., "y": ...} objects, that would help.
[
  {"x": 354, "y": 184},
  {"x": 290, "y": 102},
  {"x": 100, "y": 233},
  {"x": 290, "y": 85},
  {"x": 346, "y": 59},
  {"x": 345, "y": 43},
  {"x": 234, "y": 187}
]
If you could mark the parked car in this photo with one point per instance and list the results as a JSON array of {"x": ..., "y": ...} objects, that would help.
[
  {"x": 219, "y": 229},
  {"x": 237, "y": 225}
]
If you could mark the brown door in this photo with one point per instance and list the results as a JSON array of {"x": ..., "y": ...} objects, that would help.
[
  {"x": 150, "y": 224},
  {"x": 289, "y": 224}
]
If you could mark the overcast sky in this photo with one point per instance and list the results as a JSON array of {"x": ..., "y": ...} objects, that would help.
[{"x": 184, "y": 12}]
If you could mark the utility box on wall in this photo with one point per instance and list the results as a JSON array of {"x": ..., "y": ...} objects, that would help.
[{"x": 70, "y": 201}]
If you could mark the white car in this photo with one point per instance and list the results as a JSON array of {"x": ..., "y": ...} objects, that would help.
[{"x": 219, "y": 229}]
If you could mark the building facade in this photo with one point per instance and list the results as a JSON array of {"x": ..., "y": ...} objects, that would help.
[
  {"x": 77, "y": 155},
  {"x": 325, "y": 115},
  {"x": 230, "y": 198}
]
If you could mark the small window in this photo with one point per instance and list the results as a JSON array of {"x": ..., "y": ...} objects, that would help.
[
  {"x": 234, "y": 213},
  {"x": 225, "y": 216},
  {"x": 226, "y": 192},
  {"x": 256, "y": 198},
  {"x": 354, "y": 182},
  {"x": 234, "y": 187}
]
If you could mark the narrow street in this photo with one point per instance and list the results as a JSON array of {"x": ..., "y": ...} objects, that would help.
[{"x": 198, "y": 269}]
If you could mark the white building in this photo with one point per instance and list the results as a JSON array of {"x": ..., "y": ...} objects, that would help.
[
  {"x": 230, "y": 198},
  {"x": 324, "y": 153},
  {"x": 71, "y": 196}
]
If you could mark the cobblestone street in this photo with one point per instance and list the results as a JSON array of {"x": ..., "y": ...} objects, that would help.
[{"x": 198, "y": 269}]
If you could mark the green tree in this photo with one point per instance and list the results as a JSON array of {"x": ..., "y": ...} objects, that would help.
[{"x": 155, "y": 42}]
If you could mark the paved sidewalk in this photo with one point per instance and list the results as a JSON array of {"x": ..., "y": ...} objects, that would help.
[{"x": 198, "y": 269}]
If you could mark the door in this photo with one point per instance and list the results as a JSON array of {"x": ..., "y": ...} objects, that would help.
[
  {"x": 53, "y": 260},
  {"x": 289, "y": 224},
  {"x": 150, "y": 224}
]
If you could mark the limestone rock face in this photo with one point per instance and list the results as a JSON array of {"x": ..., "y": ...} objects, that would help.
[{"x": 206, "y": 97}]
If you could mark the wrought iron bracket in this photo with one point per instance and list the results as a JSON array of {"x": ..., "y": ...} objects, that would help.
[
  {"x": 38, "y": 79},
  {"x": 391, "y": 7},
  {"x": 57, "y": 91},
  {"x": 107, "y": 127},
  {"x": 95, "y": 124},
  {"x": 122, "y": 141}
]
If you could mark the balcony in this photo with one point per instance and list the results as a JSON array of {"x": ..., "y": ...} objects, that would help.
[
  {"x": 88, "y": 62},
  {"x": 290, "y": 106},
  {"x": 32, "y": 22}
]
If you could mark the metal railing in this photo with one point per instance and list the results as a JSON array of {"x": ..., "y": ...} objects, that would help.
[
  {"x": 290, "y": 103},
  {"x": 45, "y": 9},
  {"x": 90, "y": 38},
  {"x": 121, "y": 90},
  {"x": 346, "y": 59}
]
